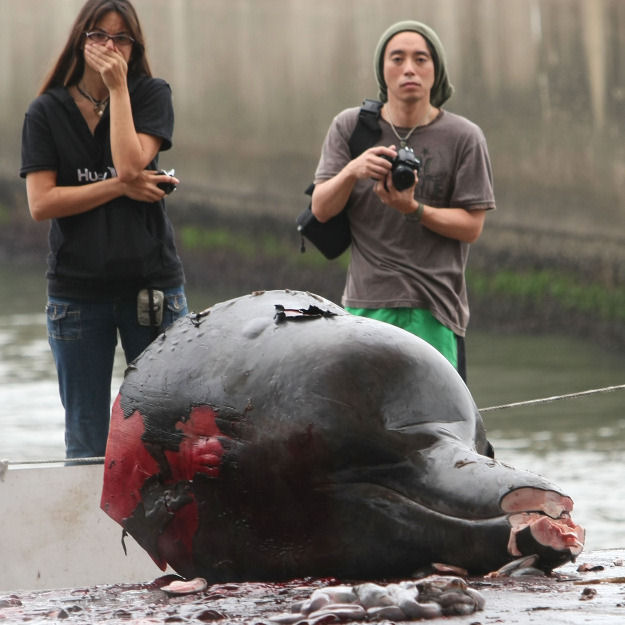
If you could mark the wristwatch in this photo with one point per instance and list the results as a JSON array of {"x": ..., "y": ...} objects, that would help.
[{"x": 416, "y": 216}]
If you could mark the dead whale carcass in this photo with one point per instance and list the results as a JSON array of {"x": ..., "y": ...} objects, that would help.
[{"x": 275, "y": 436}]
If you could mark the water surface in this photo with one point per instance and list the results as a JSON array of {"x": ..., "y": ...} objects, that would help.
[{"x": 577, "y": 443}]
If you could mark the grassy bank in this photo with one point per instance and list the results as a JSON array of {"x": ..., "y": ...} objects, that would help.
[
  {"x": 548, "y": 301},
  {"x": 515, "y": 296}
]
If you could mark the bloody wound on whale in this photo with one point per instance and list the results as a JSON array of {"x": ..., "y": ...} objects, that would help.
[{"x": 275, "y": 436}]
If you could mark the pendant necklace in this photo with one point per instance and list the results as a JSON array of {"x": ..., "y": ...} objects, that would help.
[
  {"x": 403, "y": 140},
  {"x": 98, "y": 105}
]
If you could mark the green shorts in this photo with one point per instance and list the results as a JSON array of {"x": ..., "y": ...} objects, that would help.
[{"x": 418, "y": 321}]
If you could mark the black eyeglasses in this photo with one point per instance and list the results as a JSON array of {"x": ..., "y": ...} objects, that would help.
[{"x": 99, "y": 37}]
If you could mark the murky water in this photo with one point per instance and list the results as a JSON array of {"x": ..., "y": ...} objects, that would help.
[{"x": 577, "y": 443}]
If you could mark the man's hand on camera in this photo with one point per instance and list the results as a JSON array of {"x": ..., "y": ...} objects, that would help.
[
  {"x": 373, "y": 163},
  {"x": 402, "y": 201}
]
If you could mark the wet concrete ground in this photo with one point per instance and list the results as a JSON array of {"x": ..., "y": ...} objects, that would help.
[{"x": 590, "y": 591}]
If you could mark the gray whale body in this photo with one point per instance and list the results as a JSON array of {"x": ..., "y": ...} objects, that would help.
[{"x": 275, "y": 436}]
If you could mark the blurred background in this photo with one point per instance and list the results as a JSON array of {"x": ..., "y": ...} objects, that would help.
[{"x": 256, "y": 84}]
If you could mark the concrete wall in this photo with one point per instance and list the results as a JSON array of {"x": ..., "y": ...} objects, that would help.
[{"x": 257, "y": 82}]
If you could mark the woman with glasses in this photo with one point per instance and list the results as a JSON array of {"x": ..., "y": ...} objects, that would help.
[{"x": 90, "y": 147}]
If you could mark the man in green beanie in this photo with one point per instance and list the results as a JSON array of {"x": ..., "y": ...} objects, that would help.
[{"x": 410, "y": 247}]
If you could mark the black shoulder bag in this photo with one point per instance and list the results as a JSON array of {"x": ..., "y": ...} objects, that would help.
[{"x": 333, "y": 237}]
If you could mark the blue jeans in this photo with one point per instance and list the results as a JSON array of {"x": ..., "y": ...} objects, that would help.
[{"x": 83, "y": 337}]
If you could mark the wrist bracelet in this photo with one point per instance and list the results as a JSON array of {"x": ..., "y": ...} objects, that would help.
[{"x": 416, "y": 216}]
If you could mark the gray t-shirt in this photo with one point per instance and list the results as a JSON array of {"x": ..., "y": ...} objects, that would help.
[{"x": 396, "y": 263}]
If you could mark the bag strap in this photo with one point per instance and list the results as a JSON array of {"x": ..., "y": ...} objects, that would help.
[
  {"x": 365, "y": 134},
  {"x": 302, "y": 243},
  {"x": 367, "y": 130}
]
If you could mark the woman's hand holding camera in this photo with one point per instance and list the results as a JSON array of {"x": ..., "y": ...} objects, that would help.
[{"x": 145, "y": 187}]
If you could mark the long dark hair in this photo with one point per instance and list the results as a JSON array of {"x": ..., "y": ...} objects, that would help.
[{"x": 70, "y": 65}]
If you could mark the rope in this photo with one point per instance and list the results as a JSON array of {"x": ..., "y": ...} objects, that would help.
[
  {"x": 94, "y": 460},
  {"x": 4, "y": 464},
  {"x": 546, "y": 400}
]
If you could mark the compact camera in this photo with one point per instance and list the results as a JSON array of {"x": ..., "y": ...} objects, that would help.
[
  {"x": 168, "y": 187},
  {"x": 405, "y": 164}
]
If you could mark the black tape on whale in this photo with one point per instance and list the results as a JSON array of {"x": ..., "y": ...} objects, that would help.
[{"x": 275, "y": 436}]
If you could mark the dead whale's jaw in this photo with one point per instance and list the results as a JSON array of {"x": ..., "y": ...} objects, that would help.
[{"x": 541, "y": 525}]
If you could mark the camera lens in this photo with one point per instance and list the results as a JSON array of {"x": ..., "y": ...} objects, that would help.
[{"x": 403, "y": 177}]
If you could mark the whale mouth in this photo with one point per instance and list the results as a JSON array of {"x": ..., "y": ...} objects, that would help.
[
  {"x": 541, "y": 524},
  {"x": 554, "y": 541}
]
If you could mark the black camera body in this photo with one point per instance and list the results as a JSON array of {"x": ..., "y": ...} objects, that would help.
[
  {"x": 168, "y": 187},
  {"x": 403, "y": 169}
]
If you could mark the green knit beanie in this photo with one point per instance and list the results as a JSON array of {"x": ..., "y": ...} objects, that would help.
[{"x": 442, "y": 89}]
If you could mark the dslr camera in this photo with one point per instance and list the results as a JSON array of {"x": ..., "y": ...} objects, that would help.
[{"x": 403, "y": 169}]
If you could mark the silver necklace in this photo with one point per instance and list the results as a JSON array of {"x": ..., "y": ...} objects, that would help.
[
  {"x": 98, "y": 105},
  {"x": 403, "y": 140}
]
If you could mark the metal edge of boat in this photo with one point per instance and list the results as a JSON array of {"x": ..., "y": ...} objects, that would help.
[{"x": 56, "y": 536}]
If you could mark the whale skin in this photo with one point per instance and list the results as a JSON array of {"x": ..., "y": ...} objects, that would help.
[{"x": 275, "y": 436}]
